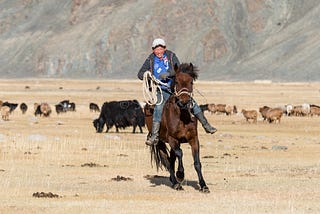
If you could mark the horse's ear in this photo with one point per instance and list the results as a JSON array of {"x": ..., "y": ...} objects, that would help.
[
  {"x": 191, "y": 66},
  {"x": 176, "y": 67}
]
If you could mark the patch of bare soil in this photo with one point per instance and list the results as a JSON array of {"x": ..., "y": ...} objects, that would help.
[
  {"x": 59, "y": 164},
  {"x": 45, "y": 195}
]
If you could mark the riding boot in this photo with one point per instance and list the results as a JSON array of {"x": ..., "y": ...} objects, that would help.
[
  {"x": 154, "y": 138},
  {"x": 205, "y": 123}
]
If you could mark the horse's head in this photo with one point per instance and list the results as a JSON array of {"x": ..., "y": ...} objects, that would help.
[{"x": 185, "y": 74}]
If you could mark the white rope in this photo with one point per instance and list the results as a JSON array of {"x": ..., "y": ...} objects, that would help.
[{"x": 150, "y": 87}]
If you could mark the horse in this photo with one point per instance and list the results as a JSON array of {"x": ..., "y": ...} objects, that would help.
[{"x": 178, "y": 126}]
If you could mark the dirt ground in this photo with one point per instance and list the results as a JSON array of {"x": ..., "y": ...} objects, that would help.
[{"x": 249, "y": 168}]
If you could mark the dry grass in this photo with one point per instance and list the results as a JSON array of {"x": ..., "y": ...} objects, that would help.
[{"x": 245, "y": 165}]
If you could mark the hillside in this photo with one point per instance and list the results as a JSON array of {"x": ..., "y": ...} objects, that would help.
[{"x": 228, "y": 40}]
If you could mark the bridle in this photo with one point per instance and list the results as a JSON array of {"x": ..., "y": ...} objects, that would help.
[
  {"x": 182, "y": 91},
  {"x": 177, "y": 94}
]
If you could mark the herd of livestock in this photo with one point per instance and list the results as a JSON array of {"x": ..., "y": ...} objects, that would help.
[
  {"x": 125, "y": 113},
  {"x": 269, "y": 114},
  {"x": 120, "y": 114},
  {"x": 40, "y": 109}
]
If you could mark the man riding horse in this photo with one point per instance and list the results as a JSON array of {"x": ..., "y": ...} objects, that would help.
[{"x": 160, "y": 63}]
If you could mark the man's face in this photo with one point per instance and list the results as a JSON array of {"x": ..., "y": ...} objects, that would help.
[{"x": 159, "y": 51}]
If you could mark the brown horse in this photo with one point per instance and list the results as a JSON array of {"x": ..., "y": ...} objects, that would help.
[{"x": 178, "y": 126}]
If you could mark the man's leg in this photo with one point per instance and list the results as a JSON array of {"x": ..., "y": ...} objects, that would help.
[
  {"x": 157, "y": 114},
  {"x": 200, "y": 116},
  {"x": 154, "y": 138}
]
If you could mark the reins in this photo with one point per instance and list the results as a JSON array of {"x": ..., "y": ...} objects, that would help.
[
  {"x": 201, "y": 95},
  {"x": 151, "y": 85}
]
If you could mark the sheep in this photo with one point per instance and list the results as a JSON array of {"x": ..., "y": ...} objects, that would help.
[
  {"x": 250, "y": 115},
  {"x": 289, "y": 108},
  {"x": 306, "y": 108}
]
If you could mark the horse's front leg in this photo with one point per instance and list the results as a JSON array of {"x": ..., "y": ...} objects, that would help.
[
  {"x": 174, "y": 153},
  {"x": 197, "y": 165},
  {"x": 180, "y": 171},
  {"x": 172, "y": 161}
]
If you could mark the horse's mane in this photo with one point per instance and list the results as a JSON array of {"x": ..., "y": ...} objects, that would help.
[{"x": 190, "y": 69}]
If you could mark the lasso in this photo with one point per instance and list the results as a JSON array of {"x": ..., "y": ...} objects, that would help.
[{"x": 150, "y": 87}]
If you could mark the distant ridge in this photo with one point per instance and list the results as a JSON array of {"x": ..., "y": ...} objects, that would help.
[{"x": 243, "y": 40}]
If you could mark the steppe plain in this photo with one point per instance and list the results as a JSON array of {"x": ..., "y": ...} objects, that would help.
[{"x": 249, "y": 168}]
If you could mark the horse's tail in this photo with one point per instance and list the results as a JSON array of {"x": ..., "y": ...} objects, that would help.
[{"x": 159, "y": 155}]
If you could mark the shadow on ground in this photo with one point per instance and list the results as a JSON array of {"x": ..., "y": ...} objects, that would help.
[{"x": 157, "y": 180}]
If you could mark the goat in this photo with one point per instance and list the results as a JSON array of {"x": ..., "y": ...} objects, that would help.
[
  {"x": 5, "y": 111},
  {"x": 250, "y": 115},
  {"x": 274, "y": 114}
]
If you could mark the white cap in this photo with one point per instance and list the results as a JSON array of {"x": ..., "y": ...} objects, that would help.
[{"x": 157, "y": 42}]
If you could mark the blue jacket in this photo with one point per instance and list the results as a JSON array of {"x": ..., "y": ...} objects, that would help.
[{"x": 149, "y": 64}]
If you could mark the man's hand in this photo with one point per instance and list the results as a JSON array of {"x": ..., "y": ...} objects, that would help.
[{"x": 164, "y": 75}]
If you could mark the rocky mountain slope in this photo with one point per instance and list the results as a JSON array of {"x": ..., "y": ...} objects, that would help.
[{"x": 232, "y": 40}]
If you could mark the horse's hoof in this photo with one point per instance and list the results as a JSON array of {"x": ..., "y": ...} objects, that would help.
[
  {"x": 180, "y": 176},
  {"x": 177, "y": 187},
  {"x": 180, "y": 180},
  {"x": 204, "y": 189}
]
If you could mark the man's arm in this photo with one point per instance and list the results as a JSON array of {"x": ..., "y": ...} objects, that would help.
[{"x": 145, "y": 67}]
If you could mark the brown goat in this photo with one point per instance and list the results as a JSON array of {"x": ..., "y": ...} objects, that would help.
[
  {"x": 212, "y": 108},
  {"x": 222, "y": 108},
  {"x": 42, "y": 109},
  {"x": 300, "y": 111},
  {"x": 250, "y": 115},
  {"x": 315, "y": 110},
  {"x": 45, "y": 109},
  {"x": 274, "y": 114},
  {"x": 5, "y": 111},
  {"x": 228, "y": 109},
  {"x": 263, "y": 111},
  {"x": 231, "y": 110}
]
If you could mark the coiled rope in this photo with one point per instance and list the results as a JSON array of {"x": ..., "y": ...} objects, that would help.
[{"x": 150, "y": 87}]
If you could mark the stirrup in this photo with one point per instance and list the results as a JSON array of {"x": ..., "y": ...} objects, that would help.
[{"x": 152, "y": 142}]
